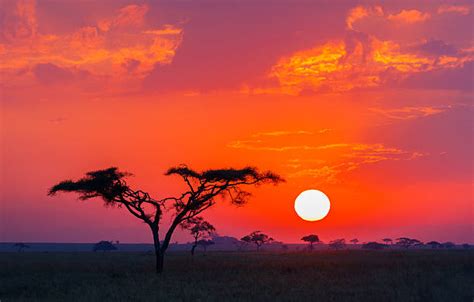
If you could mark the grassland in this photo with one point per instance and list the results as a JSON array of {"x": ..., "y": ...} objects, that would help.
[{"x": 419, "y": 275}]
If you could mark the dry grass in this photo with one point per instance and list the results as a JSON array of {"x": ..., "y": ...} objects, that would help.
[{"x": 422, "y": 275}]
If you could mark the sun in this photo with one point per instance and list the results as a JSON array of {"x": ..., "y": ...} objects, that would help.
[{"x": 312, "y": 205}]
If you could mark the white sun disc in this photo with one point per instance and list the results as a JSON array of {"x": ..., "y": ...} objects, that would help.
[{"x": 312, "y": 205}]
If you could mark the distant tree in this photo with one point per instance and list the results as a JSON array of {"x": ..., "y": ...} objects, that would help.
[
  {"x": 466, "y": 246},
  {"x": 419, "y": 245},
  {"x": 448, "y": 245},
  {"x": 202, "y": 192},
  {"x": 199, "y": 229},
  {"x": 354, "y": 241},
  {"x": 205, "y": 243},
  {"x": 406, "y": 242},
  {"x": 258, "y": 238},
  {"x": 311, "y": 239},
  {"x": 374, "y": 245},
  {"x": 434, "y": 244},
  {"x": 21, "y": 246},
  {"x": 104, "y": 246},
  {"x": 241, "y": 245},
  {"x": 387, "y": 241},
  {"x": 337, "y": 244}
]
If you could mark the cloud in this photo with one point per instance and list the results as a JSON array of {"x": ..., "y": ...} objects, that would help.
[
  {"x": 325, "y": 163},
  {"x": 436, "y": 48},
  {"x": 324, "y": 174},
  {"x": 50, "y": 74},
  {"x": 406, "y": 113},
  {"x": 353, "y": 157},
  {"x": 359, "y": 62},
  {"x": 361, "y": 12},
  {"x": 282, "y": 133},
  {"x": 129, "y": 16},
  {"x": 20, "y": 23},
  {"x": 454, "y": 9},
  {"x": 409, "y": 16},
  {"x": 117, "y": 47}
]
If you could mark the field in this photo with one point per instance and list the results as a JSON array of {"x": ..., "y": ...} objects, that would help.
[{"x": 348, "y": 275}]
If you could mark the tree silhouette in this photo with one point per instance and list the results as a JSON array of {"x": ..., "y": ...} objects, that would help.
[
  {"x": 104, "y": 246},
  {"x": 205, "y": 243},
  {"x": 337, "y": 244},
  {"x": 258, "y": 238},
  {"x": 354, "y": 241},
  {"x": 448, "y": 245},
  {"x": 311, "y": 239},
  {"x": 21, "y": 246},
  {"x": 374, "y": 245},
  {"x": 199, "y": 229},
  {"x": 407, "y": 242},
  {"x": 434, "y": 244},
  {"x": 202, "y": 190},
  {"x": 387, "y": 240}
]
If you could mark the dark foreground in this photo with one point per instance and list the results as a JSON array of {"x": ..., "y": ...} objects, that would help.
[{"x": 419, "y": 275}]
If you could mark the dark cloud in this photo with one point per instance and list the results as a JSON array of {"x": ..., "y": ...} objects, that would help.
[
  {"x": 436, "y": 48},
  {"x": 227, "y": 44},
  {"x": 455, "y": 79},
  {"x": 50, "y": 74}
]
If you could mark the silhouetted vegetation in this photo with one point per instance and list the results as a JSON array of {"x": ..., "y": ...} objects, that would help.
[
  {"x": 258, "y": 238},
  {"x": 21, "y": 246},
  {"x": 373, "y": 245},
  {"x": 205, "y": 243},
  {"x": 448, "y": 245},
  {"x": 311, "y": 239},
  {"x": 387, "y": 240},
  {"x": 354, "y": 241},
  {"x": 199, "y": 229},
  {"x": 406, "y": 242},
  {"x": 434, "y": 244},
  {"x": 104, "y": 246},
  {"x": 337, "y": 244},
  {"x": 337, "y": 276},
  {"x": 202, "y": 190}
]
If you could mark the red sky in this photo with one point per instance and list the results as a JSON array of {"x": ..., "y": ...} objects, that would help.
[{"x": 370, "y": 102}]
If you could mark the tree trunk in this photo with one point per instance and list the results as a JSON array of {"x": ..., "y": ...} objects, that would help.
[
  {"x": 158, "y": 253},
  {"x": 160, "y": 257},
  {"x": 192, "y": 249}
]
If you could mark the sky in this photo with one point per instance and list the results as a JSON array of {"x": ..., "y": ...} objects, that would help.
[{"x": 367, "y": 101}]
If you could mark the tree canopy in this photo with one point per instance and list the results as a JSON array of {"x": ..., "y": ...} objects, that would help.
[
  {"x": 311, "y": 239},
  {"x": 203, "y": 189},
  {"x": 258, "y": 238}
]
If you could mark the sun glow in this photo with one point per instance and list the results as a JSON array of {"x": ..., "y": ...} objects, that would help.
[{"x": 312, "y": 205}]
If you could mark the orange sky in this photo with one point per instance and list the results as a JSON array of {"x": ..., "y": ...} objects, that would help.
[{"x": 369, "y": 102}]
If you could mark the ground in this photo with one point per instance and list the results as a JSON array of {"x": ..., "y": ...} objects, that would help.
[{"x": 348, "y": 275}]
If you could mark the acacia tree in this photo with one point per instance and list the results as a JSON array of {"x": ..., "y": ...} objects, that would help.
[
  {"x": 205, "y": 243},
  {"x": 355, "y": 241},
  {"x": 104, "y": 246},
  {"x": 258, "y": 238},
  {"x": 387, "y": 240},
  {"x": 199, "y": 229},
  {"x": 434, "y": 244},
  {"x": 337, "y": 244},
  {"x": 311, "y": 239},
  {"x": 406, "y": 242},
  {"x": 202, "y": 192}
]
